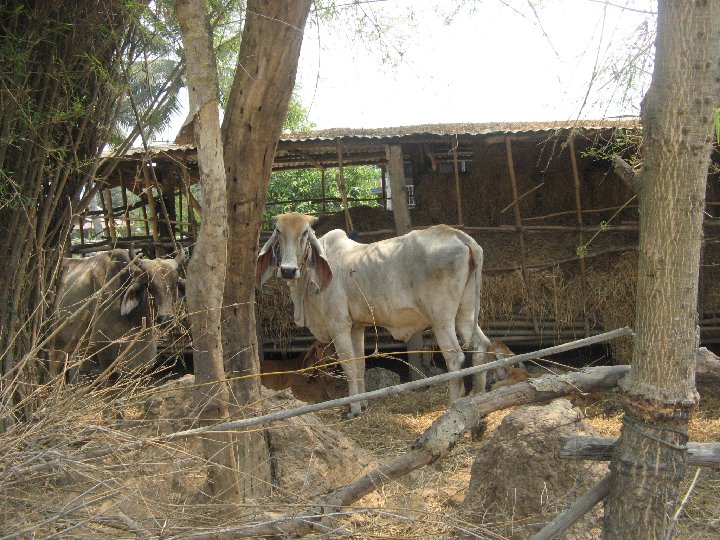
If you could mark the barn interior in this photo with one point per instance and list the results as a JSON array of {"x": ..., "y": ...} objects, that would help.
[{"x": 558, "y": 225}]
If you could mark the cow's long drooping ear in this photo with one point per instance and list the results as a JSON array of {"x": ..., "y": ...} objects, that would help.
[
  {"x": 181, "y": 287},
  {"x": 318, "y": 265},
  {"x": 132, "y": 297},
  {"x": 266, "y": 260}
]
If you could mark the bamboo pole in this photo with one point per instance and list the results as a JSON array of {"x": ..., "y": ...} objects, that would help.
[
  {"x": 123, "y": 191},
  {"x": 163, "y": 208},
  {"x": 458, "y": 198},
  {"x": 151, "y": 203},
  {"x": 518, "y": 224},
  {"x": 341, "y": 186},
  {"x": 580, "y": 237},
  {"x": 107, "y": 194},
  {"x": 185, "y": 175},
  {"x": 145, "y": 220}
]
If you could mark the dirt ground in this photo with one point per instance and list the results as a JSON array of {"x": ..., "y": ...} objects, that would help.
[{"x": 159, "y": 491}]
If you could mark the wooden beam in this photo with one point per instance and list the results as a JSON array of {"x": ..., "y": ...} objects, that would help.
[
  {"x": 341, "y": 186},
  {"x": 580, "y": 237},
  {"x": 519, "y": 226},
  {"x": 601, "y": 449},
  {"x": 458, "y": 196}
]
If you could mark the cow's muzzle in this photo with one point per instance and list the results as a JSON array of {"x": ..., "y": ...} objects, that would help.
[
  {"x": 164, "y": 319},
  {"x": 289, "y": 272}
]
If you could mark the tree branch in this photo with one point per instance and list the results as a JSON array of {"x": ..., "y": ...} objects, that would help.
[{"x": 626, "y": 173}]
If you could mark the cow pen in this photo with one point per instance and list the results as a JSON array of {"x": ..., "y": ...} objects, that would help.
[{"x": 558, "y": 224}]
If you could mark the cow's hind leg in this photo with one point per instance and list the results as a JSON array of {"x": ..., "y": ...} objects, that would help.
[
  {"x": 358, "y": 341},
  {"x": 352, "y": 368},
  {"x": 454, "y": 356},
  {"x": 478, "y": 345}
]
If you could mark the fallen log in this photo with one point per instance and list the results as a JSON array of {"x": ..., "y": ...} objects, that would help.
[
  {"x": 601, "y": 448},
  {"x": 464, "y": 415},
  {"x": 707, "y": 367}
]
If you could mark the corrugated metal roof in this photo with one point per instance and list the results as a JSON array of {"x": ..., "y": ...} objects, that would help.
[{"x": 488, "y": 128}]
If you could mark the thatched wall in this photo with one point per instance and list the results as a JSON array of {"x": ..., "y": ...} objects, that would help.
[{"x": 558, "y": 300}]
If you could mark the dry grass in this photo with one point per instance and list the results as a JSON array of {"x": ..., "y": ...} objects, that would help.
[{"x": 160, "y": 490}]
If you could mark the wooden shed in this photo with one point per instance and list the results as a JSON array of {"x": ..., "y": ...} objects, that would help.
[{"x": 558, "y": 226}]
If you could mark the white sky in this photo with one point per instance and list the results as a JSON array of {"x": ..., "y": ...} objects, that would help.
[
  {"x": 493, "y": 62},
  {"x": 490, "y": 63}
]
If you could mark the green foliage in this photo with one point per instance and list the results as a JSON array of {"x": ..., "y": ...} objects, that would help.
[
  {"x": 301, "y": 190},
  {"x": 716, "y": 125},
  {"x": 624, "y": 143}
]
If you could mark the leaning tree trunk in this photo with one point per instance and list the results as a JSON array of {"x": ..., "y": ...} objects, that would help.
[
  {"x": 59, "y": 93},
  {"x": 659, "y": 394},
  {"x": 207, "y": 268},
  {"x": 257, "y": 107}
]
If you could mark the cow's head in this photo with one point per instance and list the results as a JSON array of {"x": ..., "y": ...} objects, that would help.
[
  {"x": 292, "y": 249},
  {"x": 160, "y": 278}
]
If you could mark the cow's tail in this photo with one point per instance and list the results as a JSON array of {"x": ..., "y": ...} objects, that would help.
[
  {"x": 476, "y": 252},
  {"x": 478, "y": 341}
]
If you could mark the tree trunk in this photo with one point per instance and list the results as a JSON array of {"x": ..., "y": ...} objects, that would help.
[
  {"x": 58, "y": 98},
  {"x": 659, "y": 394},
  {"x": 256, "y": 110},
  {"x": 207, "y": 268}
]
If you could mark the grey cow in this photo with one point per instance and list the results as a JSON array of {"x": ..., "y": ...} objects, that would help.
[
  {"x": 121, "y": 293},
  {"x": 427, "y": 278}
]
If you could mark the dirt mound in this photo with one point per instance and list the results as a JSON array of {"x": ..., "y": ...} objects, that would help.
[
  {"x": 309, "y": 458},
  {"x": 518, "y": 476}
]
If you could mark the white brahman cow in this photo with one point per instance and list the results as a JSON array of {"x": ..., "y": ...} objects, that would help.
[{"x": 427, "y": 278}]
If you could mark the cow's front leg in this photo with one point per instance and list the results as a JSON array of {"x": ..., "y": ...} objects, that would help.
[
  {"x": 358, "y": 341},
  {"x": 454, "y": 357},
  {"x": 346, "y": 355}
]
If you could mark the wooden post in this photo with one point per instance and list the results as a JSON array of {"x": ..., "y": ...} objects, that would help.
[
  {"x": 324, "y": 189},
  {"x": 180, "y": 212},
  {"x": 383, "y": 184},
  {"x": 398, "y": 193},
  {"x": 190, "y": 199},
  {"x": 107, "y": 194},
  {"x": 82, "y": 229},
  {"x": 163, "y": 208},
  {"x": 401, "y": 214},
  {"x": 458, "y": 198},
  {"x": 580, "y": 238},
  {"x": 518, "y": 224},
  {"x": 151, "y": 203},
  {"x": 123, "y": 191},
  {"x": 341, "y": 186}
]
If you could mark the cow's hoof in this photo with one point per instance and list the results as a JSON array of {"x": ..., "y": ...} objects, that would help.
[
  {"x": 352, "y": 415},
  {"x": 477, "y": 432}
]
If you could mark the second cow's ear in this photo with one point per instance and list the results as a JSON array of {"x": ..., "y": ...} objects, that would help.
[
  {"x": 266, "y": 260},
  {"x": 181, "y": 287},
  {"x": 318, "y": 265},
  {"x": 132, "y": 297}
]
